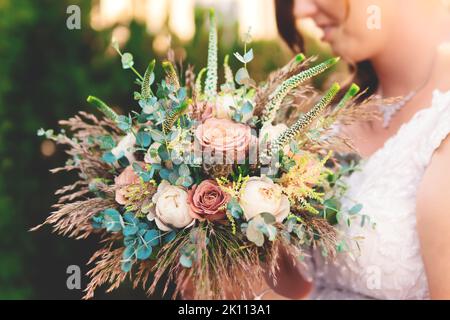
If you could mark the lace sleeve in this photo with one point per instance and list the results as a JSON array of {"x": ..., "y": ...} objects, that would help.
[{"x": 435, "y": 129}]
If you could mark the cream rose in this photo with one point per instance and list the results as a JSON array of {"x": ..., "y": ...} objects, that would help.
[
  {"x": 171, "y": 210},
  {"x": 262, "y": 195}
]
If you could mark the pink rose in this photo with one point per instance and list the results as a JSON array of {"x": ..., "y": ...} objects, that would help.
[
  {"x": 223, "y": 136},
  {"x": 207, "y": 201},
  {"x": 123, "y": 181}
]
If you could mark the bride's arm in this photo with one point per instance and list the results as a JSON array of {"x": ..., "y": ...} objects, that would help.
[
  {"x": 433, "y": 222},
  {"x": 291, "y": 284}
]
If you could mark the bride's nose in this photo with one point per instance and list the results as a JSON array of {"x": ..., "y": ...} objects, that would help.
[{"x": 305, "y": 8}]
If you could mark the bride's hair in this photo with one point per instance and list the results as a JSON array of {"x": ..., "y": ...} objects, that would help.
[{"x": 364, "y": 73}]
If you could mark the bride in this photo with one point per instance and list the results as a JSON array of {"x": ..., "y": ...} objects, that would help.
[{"x": 404, "y": 181}]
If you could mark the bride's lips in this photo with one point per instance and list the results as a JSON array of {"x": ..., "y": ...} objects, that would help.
[{"x": 328, "y": 31}]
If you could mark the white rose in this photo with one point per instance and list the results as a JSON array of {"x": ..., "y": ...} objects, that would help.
[
  {"x": 223, "y": 107},
  {"x": 171, "y": 207},
  {"x": 125, "y": 148},
  {"x": 262, "y": 195},
  {"x": 152, "y": 156},
  {"x": 270, "y": 132}
]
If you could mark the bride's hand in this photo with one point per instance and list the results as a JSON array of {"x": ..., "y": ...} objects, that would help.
[{"x": 291, "y": 283}]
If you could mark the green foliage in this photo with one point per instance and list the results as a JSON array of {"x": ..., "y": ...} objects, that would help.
[
  {"x": 282, "y": 91},
  {"x": 139, "y": 239},
  {"x": 103, "y": 107},
  {"x": 189, "y": 252},
  {"x": 149, "y": 77},
  {"x": 211, "y": 74},
  {"x": 298, "y": 127},
  {"x": 46, "y": 71},
  {"x": 260, "y": 226},
  {"x": 229, "y": 77},
  {"x": 175, "y": 115},
  {"x": 351, "y": 93},
  {"x": 171, "y": 75},
  {"x": 127, "y": 60}
]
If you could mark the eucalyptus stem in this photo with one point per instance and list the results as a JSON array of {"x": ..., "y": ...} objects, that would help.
[
  {"x": 132, "y": 68},
  {"x": 137, "y": 73}
]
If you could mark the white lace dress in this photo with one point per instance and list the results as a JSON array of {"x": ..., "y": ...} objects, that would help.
[{"x": 389, "y": 264}]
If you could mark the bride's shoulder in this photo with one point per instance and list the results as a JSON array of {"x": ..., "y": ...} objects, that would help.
[
  {"x": 434, "y": 190},
  {"x": 441, "y": 74}
]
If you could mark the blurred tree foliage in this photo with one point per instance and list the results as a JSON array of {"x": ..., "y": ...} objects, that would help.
[{"x": 46, "y": 72}]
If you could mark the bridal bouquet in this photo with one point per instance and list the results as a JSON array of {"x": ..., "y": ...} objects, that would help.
[{"x": 202, "y": 185}]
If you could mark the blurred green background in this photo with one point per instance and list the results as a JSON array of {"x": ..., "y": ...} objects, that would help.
[{"x": 46, "y": 73}]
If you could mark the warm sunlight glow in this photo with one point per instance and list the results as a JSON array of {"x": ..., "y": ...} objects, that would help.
[
  {"x": 48, "y": 148},
  {"x": 259, "y": 14},
  {"x": 156, "y": 14},
  {"x": 181, "y": 20}
]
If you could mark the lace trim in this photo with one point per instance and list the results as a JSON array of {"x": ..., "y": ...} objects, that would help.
[
  {"x": 440, "y": 125},
  {"x": 440, "y": 101},
  {"x": 392, "y": 174}
]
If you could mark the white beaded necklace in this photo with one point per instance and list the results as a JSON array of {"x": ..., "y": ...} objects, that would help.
[{"x": 390, "y": 110}]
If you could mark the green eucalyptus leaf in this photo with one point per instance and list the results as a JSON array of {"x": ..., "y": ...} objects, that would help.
[
  {"x": 143, "y": 252},
  {"x": 187, "y": 182},
  {"x": 157, "y": 136},
  {"x": 270, "y": 231},
  {"x": 170, "y": 236},
  {"x": 124, "y": 123},
  {"x": 239, "y": 57},
  {"x": 268, "y": 218},
  {"x": 130, "y": 224},
  {"x": 355, "y": 209},
  {"x": 106, "y": 142},
  {"x": 164, "y": 174},
  {"x": 143, "y": 139},
  {"x": 129, "y": 241},
  {"x": 247, "y": 107},
  {"x": 126, "y": 266},
  {"x": 184, "y": 170},
  {"x": 254, "y": 234},
  {"x": 163, "y": 153},
  {"x": 128, "y": 254},
  {"x": 173, "y": 177},
  {"x": 127, "y": 60},
  {"x": 152, "y": 237},
  {"x": 109, "y": 158},
  {"x": 186, "y": 261},
  {"x": 112, "y": 220},
  {"x": 248, "y": 57},
  {"x": 242, "y": 76}
]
